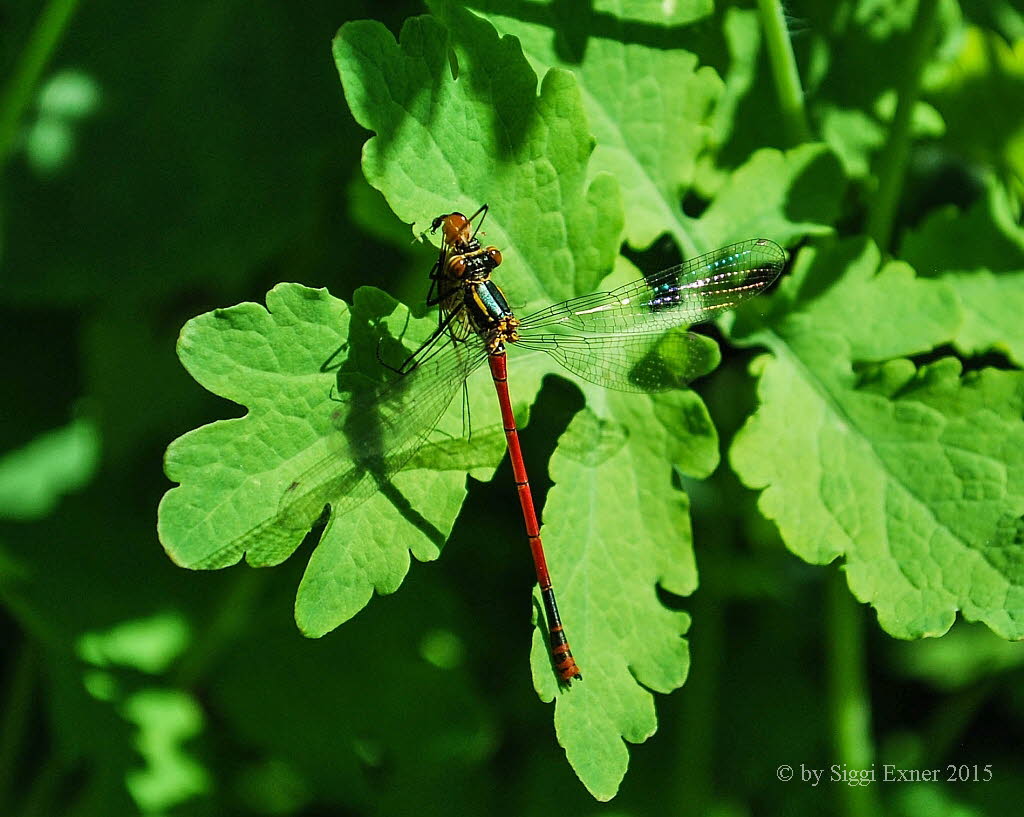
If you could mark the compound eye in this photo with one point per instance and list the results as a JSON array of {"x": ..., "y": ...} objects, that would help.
[
  {"x": 495, "y": 255},
  {"x": 457, "y": 266},
  {"x": 454, "y": 228}
]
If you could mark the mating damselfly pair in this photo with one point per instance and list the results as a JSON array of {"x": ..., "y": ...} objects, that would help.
[{"x": 627, "y": 339}]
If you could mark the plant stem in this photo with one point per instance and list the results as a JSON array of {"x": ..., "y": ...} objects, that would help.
[
  {"x": 43, "y": 790},
  {"x": 225, "y": 625},
  {"x": 692, "y": 792},
  {"x": 784, "y": 72},
  {"x": 40, "y": 47},
  {"x": 849, "y": 700},
  {"x": 892, "y": 165},
  {"x": 17, "y": 703}
]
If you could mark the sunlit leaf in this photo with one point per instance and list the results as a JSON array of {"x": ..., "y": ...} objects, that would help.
[{"x": 913, "y": 474}]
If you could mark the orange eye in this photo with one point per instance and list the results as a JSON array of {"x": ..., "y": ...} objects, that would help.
[
  {"x": 495, "y": 255},
  {"x": 457, "y": 266}
]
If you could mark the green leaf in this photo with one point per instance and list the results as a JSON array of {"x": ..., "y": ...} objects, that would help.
[
  {"x": 33, "y": 478},
  {"x": 527, "y": 155},
  {"x": 449, "y": 136},
  {"x": 781, "y": 195},
  {"x": 234, "y": 473},
  {"x": 854, "y": 135},
  {"x": 166, "y": 720},
  {"x": 975, "y": 93},
  {"x": 652, "y": 109},
  {"x": 914, "y": 475},
  {"x": 980, "y": 252},
  {"x": 616, "y": 529},
  {"x": 649, "y": 107},
  {"x": 259, "y": 358},
  {"x": 852, "y": 106},
  {"x": 149, "y": 645},
  {"x": 966, "y": 655},
  {"x": 422, "y": 164}
]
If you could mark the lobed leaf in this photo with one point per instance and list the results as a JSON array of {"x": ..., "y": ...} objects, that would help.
[
  {"x": 915, "y": 475},
  {"x": 458, "y": 123},
  {"x": 980, "y": 252},
  {"x": 618, "y": 530},
  {"x": 528, "y": 157},
  {"x": 649, "y": 107},
  {"x": 233, "y": 473},
  {"x": 652, "y": 108}
]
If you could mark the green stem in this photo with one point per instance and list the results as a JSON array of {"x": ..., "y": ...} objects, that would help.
[
  {"x": 228, "y": 621},
  {"x": 43, "y": 791},
  {"x": 849, "y": 701},
  {"x": 892, "y": 165},
  {"x": 784, "y": 72},
  {"x": 40, "y": 47},
  {"x": 17, "y": 704},
  {"x": 692, "y": 793}
]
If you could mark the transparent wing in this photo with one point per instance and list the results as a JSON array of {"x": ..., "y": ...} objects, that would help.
[
  {"x": 633, "y": 362},
  {"x": 378, "y": 432},
  {"x": 689, "y": 293}
]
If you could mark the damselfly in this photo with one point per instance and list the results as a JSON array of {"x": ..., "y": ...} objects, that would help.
[{"x": 627, "y": 339}]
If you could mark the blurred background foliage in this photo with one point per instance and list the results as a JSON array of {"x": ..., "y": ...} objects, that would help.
[{"x": 160, "y": 160}]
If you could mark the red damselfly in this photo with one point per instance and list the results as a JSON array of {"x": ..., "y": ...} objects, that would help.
[{"x": 627, "y": 339}]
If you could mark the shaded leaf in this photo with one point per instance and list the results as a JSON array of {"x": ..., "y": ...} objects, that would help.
[
  {"x": 449, "y": 137},
  {"x": 980, "y": 252},
  {"x": 651, "y": 106},
  {"x": 33, "y": 478}
]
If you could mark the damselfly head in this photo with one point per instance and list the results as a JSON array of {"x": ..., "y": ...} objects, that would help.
[{"x": 454, "y": 228}]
